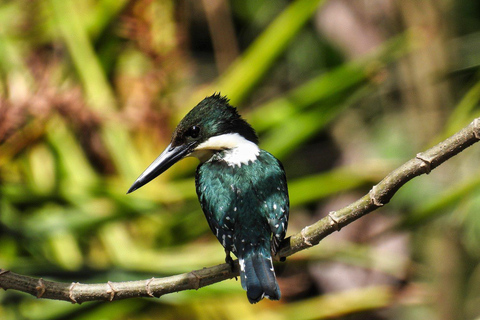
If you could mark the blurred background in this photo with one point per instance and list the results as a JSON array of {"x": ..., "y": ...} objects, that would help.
[{"x": 342, "y": 92}]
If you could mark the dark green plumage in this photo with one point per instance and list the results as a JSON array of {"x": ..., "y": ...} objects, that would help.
[
  {"x": 242, "y": 189},
  {"x": 247, "y": 209}
]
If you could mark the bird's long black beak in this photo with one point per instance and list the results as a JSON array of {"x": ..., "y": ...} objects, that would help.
[{"x": 164, "y": 161}]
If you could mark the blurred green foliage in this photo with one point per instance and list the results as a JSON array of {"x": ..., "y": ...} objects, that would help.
[{"x": 342, "y": 92}]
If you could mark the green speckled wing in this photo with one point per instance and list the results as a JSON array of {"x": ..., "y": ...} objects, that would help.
[{"x": 249, "y": 202}]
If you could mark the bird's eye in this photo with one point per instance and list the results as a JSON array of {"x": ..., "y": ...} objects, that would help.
[{"x": 193, "y": 132}]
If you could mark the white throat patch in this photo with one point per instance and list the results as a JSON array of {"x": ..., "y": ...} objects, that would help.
[{"x": 238, "y": 149}]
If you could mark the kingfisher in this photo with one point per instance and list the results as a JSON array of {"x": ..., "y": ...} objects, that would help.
[{"x": 242, "y": 189}]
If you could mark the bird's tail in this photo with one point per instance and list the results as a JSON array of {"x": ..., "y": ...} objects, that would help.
[{"x": 258, "y": 277}]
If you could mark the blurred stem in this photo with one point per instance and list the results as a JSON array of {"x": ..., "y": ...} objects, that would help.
[
  {"x": 291, "y": 124},
  {"x": 445, "y": 246},
  {"x": 320, "y": 186},
  {"x": 437, "y": 207},
  {"x": 102, "y": 15},
  {"x": 463, "y": 111},
  {"x": 334, "y": 82},
  {"x": 13, "y": 68},
  {"x": 96, "y": 86},
  {"x": 83, "y": 55},
  {"x": 220, "y": 24},
  {"x": 297, "y": 128},
  {"x": 250, "y": 68},
  {"x": 122, "y": 151}
]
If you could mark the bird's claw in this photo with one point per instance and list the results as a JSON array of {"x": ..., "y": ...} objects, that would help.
[{"x": 229, "y": 260}]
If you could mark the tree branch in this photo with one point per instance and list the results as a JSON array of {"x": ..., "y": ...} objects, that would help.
[{"x": 378, "y": 196}]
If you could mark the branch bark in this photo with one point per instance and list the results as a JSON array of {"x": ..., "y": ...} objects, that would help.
[{"x": 378, "y": 196}]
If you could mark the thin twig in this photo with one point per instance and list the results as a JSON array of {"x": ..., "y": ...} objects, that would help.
[{"x": 378, "y": 196}]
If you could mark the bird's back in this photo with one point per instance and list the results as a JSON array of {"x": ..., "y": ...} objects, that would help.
[{"x": 246, "y": 207}]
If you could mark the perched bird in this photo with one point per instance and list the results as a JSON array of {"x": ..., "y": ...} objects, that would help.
[{"x": 242, "y": 189}]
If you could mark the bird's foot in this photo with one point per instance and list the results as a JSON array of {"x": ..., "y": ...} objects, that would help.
[{"x": 229, "y": 260}]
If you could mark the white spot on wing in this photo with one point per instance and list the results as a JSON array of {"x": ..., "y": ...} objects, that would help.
[
  {"x": 242, "y": 264},
  {"x": 239, "y": 150}
]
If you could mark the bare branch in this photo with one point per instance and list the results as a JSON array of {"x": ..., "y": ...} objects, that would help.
[
  {"x": 381, "y": 193},
  {"x": 76, "y": 292},
  {"x": 378, "y": 196}
]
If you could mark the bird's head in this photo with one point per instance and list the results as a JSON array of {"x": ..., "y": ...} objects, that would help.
[{"x": 211, "y": 126}]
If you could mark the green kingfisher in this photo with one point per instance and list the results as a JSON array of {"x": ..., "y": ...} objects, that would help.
[{"x": 242, "y": 189}]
